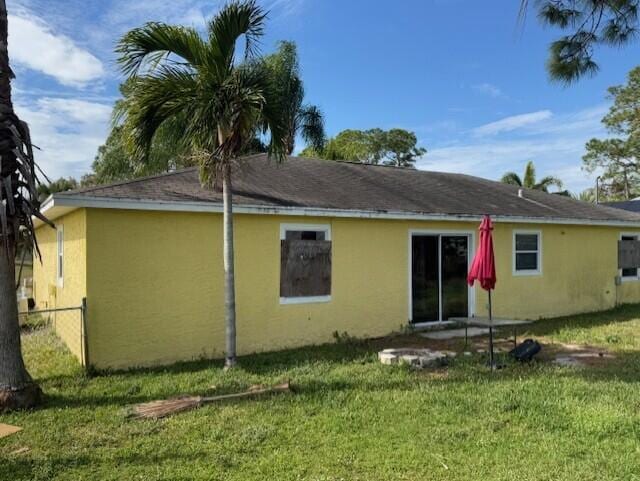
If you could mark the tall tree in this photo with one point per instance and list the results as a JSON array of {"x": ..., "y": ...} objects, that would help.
[
  {"x": 178, "y": 75},
  {"x": 402, "y": 150},
  {"x": 19, "y": 203},
  {"x": 301, "y": 119},
  {"x": 529, "y": 180},
  {"x": 396, "y": 147},
  {"x": 618, "y": 157},
  {"x": 589, "y": 23}
]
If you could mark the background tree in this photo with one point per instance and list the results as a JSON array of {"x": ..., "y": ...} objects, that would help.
[
  {"x": 219, "y": 102},
  {"x": 301, "y": 119},
  {"x": 529, "y": 180},
  {"x": 401, "y": 148},
  {"x": 374, "y": 146},
  {"x": 60, "y": 185},
  {"x": 19, "y": 203},
  {"x": 589, "y": 24},
  {"x": 587, "y": 195},
  {"x": 618, "y": 158},
  {"x": 114, "y": 163}
]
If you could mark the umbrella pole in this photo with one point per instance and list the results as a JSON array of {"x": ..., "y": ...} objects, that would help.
[{"x": 491, "y": 361}]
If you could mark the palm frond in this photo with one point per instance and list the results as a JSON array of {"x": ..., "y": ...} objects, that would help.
[
  {"x": 311, "y": 122},
  {"x": 547, "y": 182},
  {"x": 149, "y": 45},
  {"x": 235, "y": 20},
  {"x": 157, "y": 99},
  {"x": 529, "y": 179},
  {"x": 511, "y": 178}
]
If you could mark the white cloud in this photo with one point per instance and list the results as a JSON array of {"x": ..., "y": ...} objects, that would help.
[
  {"x": 488, "y": 89},
  {"x": 34, "y": 45},
  {"x": 67, "y": 132},
  {"x": 554, "y": 142},
  {"x": 512, "y": 123}
]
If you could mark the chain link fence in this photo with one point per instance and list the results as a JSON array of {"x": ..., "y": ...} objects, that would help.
[{"x": 69, "y": 323}]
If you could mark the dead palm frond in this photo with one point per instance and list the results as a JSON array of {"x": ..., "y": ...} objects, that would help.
[{"x": 167, "y": 407}]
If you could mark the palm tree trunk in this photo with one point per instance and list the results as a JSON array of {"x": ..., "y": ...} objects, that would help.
[
  {"x": 17, "y": 389},
  {"x": 627, "y": 193},
  {"x": 229, "y": 276}
]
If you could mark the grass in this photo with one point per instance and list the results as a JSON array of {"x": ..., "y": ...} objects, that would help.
[{"x": 351, "y": 418}]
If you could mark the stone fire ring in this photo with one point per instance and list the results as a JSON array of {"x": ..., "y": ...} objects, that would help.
[{"x": 415, "y": 357}]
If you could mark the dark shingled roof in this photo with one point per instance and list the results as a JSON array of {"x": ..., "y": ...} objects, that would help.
[
  {"x": 312, "y": 183},
  {"x": 630, "y": 205}
]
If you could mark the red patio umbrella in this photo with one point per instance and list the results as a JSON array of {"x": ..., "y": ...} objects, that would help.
[{"x": 483, "y": 270}]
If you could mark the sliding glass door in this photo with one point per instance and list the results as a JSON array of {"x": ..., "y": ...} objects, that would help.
[{"x": 438, "y": 277}]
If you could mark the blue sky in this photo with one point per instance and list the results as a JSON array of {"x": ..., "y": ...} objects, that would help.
[{"x": 460, "y": 73}]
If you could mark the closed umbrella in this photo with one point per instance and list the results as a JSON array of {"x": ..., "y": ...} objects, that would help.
[{"x": 483, "y": 270}]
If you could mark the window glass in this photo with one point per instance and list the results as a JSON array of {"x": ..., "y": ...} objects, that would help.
[
  {"x": 526, "y": 261},
  {"x": 527, "y": 252},
  {"x": 526, "y": 242},
  {"x": 305, "y": 235}
]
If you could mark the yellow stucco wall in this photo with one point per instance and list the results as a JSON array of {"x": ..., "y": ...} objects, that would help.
[
  {"x": 154, "y": 287},
  {"x": 579, "y": 267},
  {"x": 48, "y": 293},
  {"x": 155, "y": 282}
]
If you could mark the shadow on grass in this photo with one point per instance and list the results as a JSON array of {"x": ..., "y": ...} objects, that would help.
[
  {"x": 622, "y": 313},
  {"x": 26, "y": 468},
  {"x": 302, "y": 389},
  {"x": 306, "y": 364},
  {"x": 267, "y": 363}
]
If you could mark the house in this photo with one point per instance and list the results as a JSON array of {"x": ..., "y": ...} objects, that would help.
[{"x": 320, "y": 247}]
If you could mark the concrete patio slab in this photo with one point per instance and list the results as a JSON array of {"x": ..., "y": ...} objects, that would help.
[{"x": 454, "y": 333}]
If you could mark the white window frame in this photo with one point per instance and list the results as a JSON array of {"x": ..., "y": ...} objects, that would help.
[
  {"x": 326, "y": 228},
  {"x": 527, "y": 272},
  {"x": 60, "y": 256},
  {"x": 636, "y": 235}
]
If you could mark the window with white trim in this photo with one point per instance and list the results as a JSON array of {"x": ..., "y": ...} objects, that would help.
[
  {"x": 305, "y": 263},
  {"x": 628, "y": 273},
  {"x": 60, "y": 255},
  {"x": 527, "y": 252}
]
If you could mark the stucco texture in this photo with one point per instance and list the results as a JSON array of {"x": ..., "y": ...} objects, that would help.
[
  {"x": 48, "y": 292},
  {"x": 154, "y": 281}
]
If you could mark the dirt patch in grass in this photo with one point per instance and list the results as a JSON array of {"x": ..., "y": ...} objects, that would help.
[{"x": 564, "y": 354}]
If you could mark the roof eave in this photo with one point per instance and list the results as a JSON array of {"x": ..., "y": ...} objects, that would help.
[{"x": 60, "y": 204}]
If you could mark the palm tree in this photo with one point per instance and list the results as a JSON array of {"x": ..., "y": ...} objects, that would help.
[
  {"x": 303, "y": 119},
  {"x": 529, "y": 180},
  {"x": 19, "y": 203},
  {"x": 178, "y": 75}
]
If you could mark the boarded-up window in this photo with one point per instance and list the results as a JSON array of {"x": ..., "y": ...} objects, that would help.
[
  {"x": 305, "y": 264},
  {"x": 629, "y": 255}
]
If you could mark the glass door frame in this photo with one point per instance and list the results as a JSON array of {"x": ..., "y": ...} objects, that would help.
[{"x": 471, "y": 249}]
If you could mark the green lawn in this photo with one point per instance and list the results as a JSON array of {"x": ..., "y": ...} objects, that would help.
[{"x": 351, "y": 418}]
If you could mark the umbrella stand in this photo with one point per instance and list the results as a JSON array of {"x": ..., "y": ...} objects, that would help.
[{"x": 492, "y": 363}]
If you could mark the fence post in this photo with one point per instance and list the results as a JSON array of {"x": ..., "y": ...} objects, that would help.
[{"x": 85, "y": 341}]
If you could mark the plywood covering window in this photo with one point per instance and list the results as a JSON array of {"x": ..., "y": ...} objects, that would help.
[
  {"x": 628, "y": 253},
  {"x": 60, "y": 256},
  {"x": 527, "y": 253},
  {"x": 305, "y": 263}
]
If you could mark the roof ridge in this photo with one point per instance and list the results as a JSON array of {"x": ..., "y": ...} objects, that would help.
[{"x": 355, "y": 162}]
